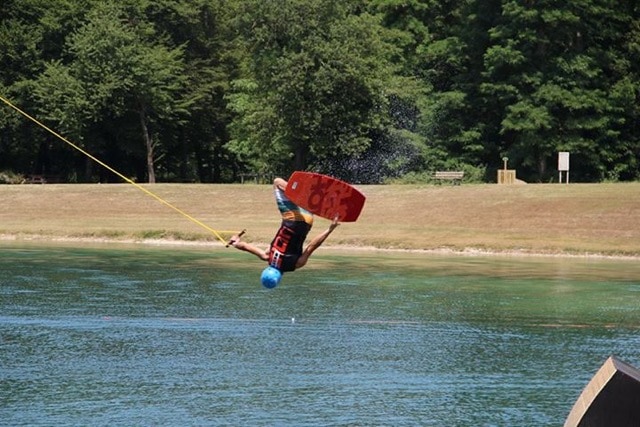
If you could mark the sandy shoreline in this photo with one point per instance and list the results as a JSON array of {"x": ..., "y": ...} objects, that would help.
[{"x": 215, "y": 245}]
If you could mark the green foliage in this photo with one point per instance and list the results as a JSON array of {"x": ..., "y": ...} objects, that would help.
[
  {"x": 369, "y": 91},
  {"x": 63, "y": 100},
  {"x": 319, "y": 73},
  {"x": 8, "y": 177},
  {"x": 116, "y": 68},
  {"x": 553, "y": 68}
]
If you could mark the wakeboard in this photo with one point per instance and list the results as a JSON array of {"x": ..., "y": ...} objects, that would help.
[{"x": 325, "y": 196}]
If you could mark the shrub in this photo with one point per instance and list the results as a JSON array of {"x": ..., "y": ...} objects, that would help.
[{"x": 8, "y": 177}]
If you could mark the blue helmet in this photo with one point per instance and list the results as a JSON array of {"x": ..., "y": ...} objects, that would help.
[{"x": 270, "y": 277}]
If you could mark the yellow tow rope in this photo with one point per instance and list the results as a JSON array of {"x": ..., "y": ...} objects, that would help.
[{"x": 128, "y": 180}]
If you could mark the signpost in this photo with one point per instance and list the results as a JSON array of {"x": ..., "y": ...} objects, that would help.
[
  {"x": 506, "y": 176},
  {"x": 563, "y": 165}
]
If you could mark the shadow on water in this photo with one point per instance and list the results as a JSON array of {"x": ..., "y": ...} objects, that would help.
[{"x": 172, "y": 336}]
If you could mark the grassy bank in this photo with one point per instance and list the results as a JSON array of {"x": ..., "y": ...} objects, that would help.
[{"x": 554, "y": 218}]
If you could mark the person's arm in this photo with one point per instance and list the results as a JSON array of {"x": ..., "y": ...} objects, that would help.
[
  {"x": 316, "y": 243},
  {"x": 248, "y": 247}
]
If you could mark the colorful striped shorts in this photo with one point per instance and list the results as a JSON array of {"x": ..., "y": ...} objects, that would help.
[{"x": 289, "y": 210}]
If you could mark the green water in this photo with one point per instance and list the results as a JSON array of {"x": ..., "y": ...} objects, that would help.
[{"x": 172, "y": 336}]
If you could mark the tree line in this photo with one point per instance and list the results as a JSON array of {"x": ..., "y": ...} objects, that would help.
[{"x": 365, "y": 90}]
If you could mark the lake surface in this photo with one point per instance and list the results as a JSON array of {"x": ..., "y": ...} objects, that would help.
[{"x": 134, "y": 335}]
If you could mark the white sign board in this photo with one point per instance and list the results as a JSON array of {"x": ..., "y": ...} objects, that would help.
[{"x": 563, "y": 161}]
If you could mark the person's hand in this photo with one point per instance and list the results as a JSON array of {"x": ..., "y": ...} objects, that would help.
[
  {"x": 334, "y": 223},
  {"x": 235, "y": 239}
]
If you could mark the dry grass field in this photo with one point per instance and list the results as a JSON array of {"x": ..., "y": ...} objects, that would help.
[{"x": 539, "y": 218}]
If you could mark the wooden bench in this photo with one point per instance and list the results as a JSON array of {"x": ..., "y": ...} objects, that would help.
[
  {"x": 36, "y": 179},
  {"x": 454, "y": 176},
  {"x": 41, "y": 179}
]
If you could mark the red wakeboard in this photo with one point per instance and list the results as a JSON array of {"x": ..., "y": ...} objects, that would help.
[{"x": 325, "y": 196}]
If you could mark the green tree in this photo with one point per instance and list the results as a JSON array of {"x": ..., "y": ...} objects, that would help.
[
  {"x": 623, "y": 160},
  {"x": 455, "y": 122},
  {"x": 32, "y": 33},
  {"x": 126, "y": 69},
  {"x": 202, "y": 90},
  {"x": 118, "y": 67},
  {"x": 314, "y": 86},
  {"x": 552, "y": 65},
  {"x": 204, "y": 28}
]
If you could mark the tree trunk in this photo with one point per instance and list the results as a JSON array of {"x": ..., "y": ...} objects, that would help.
[
  {"x": 542, "y": 168},
  {"x": 300, "y": 158},
  {"x": 148, "y": 140}
]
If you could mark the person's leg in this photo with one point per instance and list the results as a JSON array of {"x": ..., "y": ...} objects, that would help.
[
  {"x": 289, "y": 210},
  {"x": 279, "y": 183}
]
